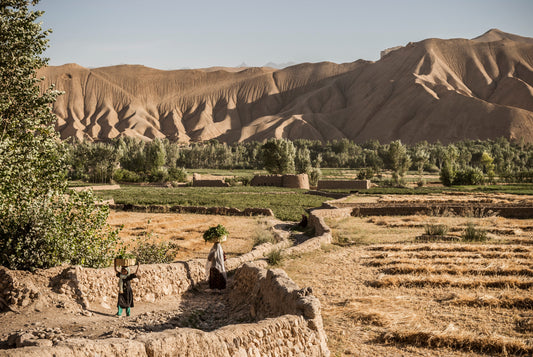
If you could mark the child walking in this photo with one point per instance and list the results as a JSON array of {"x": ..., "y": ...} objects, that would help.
[{"x": 125, "y": 294}]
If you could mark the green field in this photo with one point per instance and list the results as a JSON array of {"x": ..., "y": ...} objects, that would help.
[{"x": 287, "y": 204}]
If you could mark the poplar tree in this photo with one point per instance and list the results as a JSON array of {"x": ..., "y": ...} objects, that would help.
[{"x": 41, "y": 224}]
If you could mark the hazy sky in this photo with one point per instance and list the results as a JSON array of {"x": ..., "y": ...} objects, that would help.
[{"x": 173, "y": 34}]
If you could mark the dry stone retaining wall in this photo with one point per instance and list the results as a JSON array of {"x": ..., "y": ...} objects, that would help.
[
  {"x": 289, "y": 319},
  {"x": 322, "y": 231},
  {"x": 398, "y": 209},
  {"x": 226, "y": 211}
]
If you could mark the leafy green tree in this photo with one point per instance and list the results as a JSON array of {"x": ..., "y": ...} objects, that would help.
[
  {"x": 302, "y": 161},
  {"x": 278, "y": 156},
  {"x": 488, "y": 165},
  {"x": 398, "y": 159},
  {"x": 41, "y": 225},
  {"x": 420, "y": 158},
  {"x": 155, "y": 155},
  {"x": 448, "y": 173}
]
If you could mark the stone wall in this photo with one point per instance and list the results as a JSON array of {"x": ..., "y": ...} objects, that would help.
[
  {"x": 289, "y": 322},
  {"x": 99, "y": 286},
  {"x": 209, "y": 183},
  {"x": 322, "y": 231},
  {"x": 407, "y": 209},
  {"x": 225, "y": 211},
  {"x": 343, "y": 184}
]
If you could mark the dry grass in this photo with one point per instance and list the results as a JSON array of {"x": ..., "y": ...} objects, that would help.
[
  {"x": 393, "y": 296},
  {"x": 507, "y": 301},
  {"x": 186, "y": 230},
  {"x": 448, "y": 281},
  {"x": 492, "y": 345}
]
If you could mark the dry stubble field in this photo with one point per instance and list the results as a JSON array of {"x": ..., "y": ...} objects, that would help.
[{"x": 384, "y": 294}]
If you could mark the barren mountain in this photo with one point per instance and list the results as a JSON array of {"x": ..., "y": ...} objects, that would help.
[{"x": 434, "y": 89}]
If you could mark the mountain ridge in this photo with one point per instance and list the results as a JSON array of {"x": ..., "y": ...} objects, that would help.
[{"x": 435, "y": 89}]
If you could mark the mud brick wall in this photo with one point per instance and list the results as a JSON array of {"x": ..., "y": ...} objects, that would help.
[
  {"x": 155, "y": 282},
  {"x": 289, "y": 322},
  {"x": 343, "y": 184},
  {"x": 289, "y": 181}
]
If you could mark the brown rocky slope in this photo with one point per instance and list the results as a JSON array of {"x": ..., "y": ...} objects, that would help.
[{"x": 434, "y": 89}]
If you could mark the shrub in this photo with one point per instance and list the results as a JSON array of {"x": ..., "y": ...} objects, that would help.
[
  {"x": 177, "y": 174},
  {"x": 123, "y": 175},
  {"x": 365, "y": 174},
  {"x": 274, "y": 257},
  {"x": 447, "y": 174},
  {"x": 149, "y": 252},
  {"x": 469, "y": 176},
  {"x": 473, "y": 234},
  {"x": 158, "y": 175},
  {"x": 436, "y": 229},
  {"x": 71, "y": 229},
  {"x": 314, "y": 175},
  {"x": 262, "y": 236}
]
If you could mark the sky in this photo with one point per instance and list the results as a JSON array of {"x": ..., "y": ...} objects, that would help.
[{"x": 176, "y": 34}]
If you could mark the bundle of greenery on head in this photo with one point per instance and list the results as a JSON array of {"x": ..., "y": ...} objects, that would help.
[{"x": 216, "y": 234}]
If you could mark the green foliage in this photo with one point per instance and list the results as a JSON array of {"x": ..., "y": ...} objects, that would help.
[
  {"x": 469, "y": 176},
  {"x": 398, "y": 159},
  {"x": 302, "y": 161},
  {"x": 68, "y": 229},
  {"x": 447, "y": 174},
  {"x": 177, "y": 174},
  {"x": 149, "y": 252},
  {"x": 365, "y": 174},
  {"x": 287, "y": 204},
  {"x": 42, "y": 224},
  {"x": 511, "y": 161},
  {"x": 214, "y": 234},
  {"x": 278, "y": 156},
  {"x": 473, "y": 234},
  {"x": 274, "y": 257},
  {"x": 123, "y": 175},
  {"x": 435, "y": 229},
  {"x": 314, "y": 175}
]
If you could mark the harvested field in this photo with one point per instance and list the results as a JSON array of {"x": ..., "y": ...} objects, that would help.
[
  {"x": 186, "y": 230},
  {"x": 387, "y": 295}
]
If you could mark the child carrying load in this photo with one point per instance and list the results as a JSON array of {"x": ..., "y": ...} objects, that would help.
[{"x": 125, "y": 294}]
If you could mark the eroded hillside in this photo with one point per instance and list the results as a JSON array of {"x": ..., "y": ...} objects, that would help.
[{"x": 435, "y": 89}]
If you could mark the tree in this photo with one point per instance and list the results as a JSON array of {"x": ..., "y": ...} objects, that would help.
[
  {"x": 278, "y": 156},
  {"x": 155, "y": 155},
  {"x": 488, "y": 165},
  {"x": 41, "y": 225},
  {"x": 302, "y": 161},
  {"x": 398, "y": 159}
]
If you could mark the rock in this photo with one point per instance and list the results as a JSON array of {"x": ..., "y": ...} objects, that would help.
[{"x": 21, "y": 339}]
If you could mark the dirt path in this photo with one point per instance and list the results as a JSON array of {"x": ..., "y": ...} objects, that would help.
[{"x": 200, "y": 308}]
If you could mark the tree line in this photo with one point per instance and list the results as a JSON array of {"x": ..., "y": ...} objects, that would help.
[{"x": 466, "y": 162}]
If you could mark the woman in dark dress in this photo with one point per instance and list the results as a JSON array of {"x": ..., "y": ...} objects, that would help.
[
  {"x": 215, "y": 269},
  {"x": 125, "y": 294}
]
